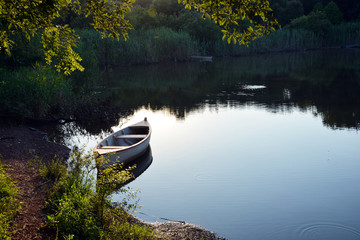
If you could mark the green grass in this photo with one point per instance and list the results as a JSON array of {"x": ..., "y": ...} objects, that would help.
[
  {"x": 143, "y": 46},
  {"x": 34, "y": 92},
  {"x": 9, "y": 205},
  {"x": 80, "y": 204},
  {"x": 294, "y": 39}
]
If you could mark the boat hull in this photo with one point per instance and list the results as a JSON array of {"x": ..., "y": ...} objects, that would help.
[
  {"x": 126, "y": 144},
  {"x": 127, "y": 155}
]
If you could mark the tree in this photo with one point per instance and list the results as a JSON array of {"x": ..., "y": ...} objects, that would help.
[
  {"x": 316, "y": 22},
  {"x": 318, "y": 7},
  {"x": 167, "y": 7},
  {"x": 309, "y": 5},
  {"x": 287, "y": 10},
  {"x": 228, "y": 14},
  {"x": 333, "y": 13},
  {"x": 32, "y": 17}
]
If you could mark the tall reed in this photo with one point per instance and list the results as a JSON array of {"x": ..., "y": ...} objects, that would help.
[
  {"x": 143, "y": 46},
  {"x": 288, "y": 39},
  {"x": 34, "y": 92}
]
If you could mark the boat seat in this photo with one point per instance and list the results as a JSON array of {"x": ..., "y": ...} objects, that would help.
[
  {"x": 131, "y": 136},
  {"x": 112, "y": 147}
]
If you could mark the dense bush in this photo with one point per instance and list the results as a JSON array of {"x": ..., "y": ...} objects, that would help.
[
  {"x": 81, "y": 207},
  {"x": 24, "y": 53},
  {"x": 34, "y": 92},
  {"x": 316, "y": 22}
]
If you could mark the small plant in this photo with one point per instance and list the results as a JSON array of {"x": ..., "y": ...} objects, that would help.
[
  {"x": 80, "y": 202},
  {"x": 52, "y": 170},
  {"x": 9, "y": 205}
]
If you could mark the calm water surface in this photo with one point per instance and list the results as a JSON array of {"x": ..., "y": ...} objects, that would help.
[{"x": 264, "y": 147}]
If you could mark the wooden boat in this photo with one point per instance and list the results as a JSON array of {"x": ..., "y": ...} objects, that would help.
[{"x": 126, "y": 144}]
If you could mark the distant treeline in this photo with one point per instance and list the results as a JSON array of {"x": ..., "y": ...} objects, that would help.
[
  {"x": 288, "y": 10},
  {"x": 164, "y": 30}
]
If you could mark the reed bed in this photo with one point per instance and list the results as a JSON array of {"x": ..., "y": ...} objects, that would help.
[
  {"x": 288, "y": 39},
  {"x": 143, "y": 46}
]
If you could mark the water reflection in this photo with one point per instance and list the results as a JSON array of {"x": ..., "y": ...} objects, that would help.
[
  {"x": 325, "y": 82},
  {"x": 142, "y": 163},
  {"x": 260, "y": 175}
]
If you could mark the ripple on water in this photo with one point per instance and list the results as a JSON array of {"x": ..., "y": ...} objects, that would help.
[{"x": 328, "y": 231}]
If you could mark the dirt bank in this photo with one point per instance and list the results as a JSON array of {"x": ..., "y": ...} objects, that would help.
[{"x": 18, "y": 146}]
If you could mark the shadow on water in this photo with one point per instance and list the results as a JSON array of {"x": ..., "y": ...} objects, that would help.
[
  {"x": 142, "y": 163},
  {"x": 292, "y": 182},
  {"x": 325, "y": 82}
]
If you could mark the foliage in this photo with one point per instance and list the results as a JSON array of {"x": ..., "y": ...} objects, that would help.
[
  {"x": 316, "y": 22},
  {"x": 9, "y": 206},
  {"x": 318, "y": 7},
  {"x": 343, "y": 34},
  {"x": 35, "y": 92},
  {"x": 333, "y": 13},
  {"x": 166, "y": 7},
  {"x": 141, "y": 18},
  {"x": 294, "y": 39},
  {"x": 349, "y": 8},
  {"x": 229, "y": 14},
  {"x": 53, "y": 39},
  {"x": 53, "y": 170},
  {"x": 33, "y": 17},
  {"x": 81, "y": 207},
  {"x": 24, "y": 53},
  {"x": 127, "y": 231},
  {"x": 110, "y": 180},
  {"x": 285, "y": 11},
  {"x": 144, "y": 46},
  {"x": 48, "y": 19}
]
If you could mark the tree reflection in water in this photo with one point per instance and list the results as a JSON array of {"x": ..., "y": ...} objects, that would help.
[{"x": 326, "y": 83}]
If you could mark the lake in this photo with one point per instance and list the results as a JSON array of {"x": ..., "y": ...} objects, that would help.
[{"x": 259, "y": 147}]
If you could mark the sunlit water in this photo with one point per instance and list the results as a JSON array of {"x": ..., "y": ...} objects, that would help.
[{"x": 269, "y": 150}]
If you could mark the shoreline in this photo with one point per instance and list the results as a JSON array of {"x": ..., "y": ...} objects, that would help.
[{"x": 18, "y": 146}]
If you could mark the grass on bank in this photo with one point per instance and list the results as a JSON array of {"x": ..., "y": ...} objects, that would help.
[
  {"x": 80, "y": 205},
  {"x": 167, "y": 44},
  {"x": 39, "y": 92},
  {"x": 9, "y": 205},
  {"x": 34, "y": 92}
]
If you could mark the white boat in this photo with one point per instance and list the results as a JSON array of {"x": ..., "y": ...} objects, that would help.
[{"x": 127, "y": 144}]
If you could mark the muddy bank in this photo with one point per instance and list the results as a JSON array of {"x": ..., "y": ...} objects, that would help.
[{"x": 18, "y": 146}]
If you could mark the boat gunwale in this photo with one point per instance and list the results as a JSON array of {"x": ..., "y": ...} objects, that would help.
[{"x": 123, "y": 148}]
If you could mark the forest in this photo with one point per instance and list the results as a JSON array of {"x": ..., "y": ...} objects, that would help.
[
  {"x": 36, "y": 90},
  {"x": 162, "y": 31}
]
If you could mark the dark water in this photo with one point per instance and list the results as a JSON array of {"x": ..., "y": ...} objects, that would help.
[{"x": 262, "y": 147}]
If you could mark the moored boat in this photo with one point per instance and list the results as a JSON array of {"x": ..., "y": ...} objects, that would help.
[{"x": 126, "y": 144}]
